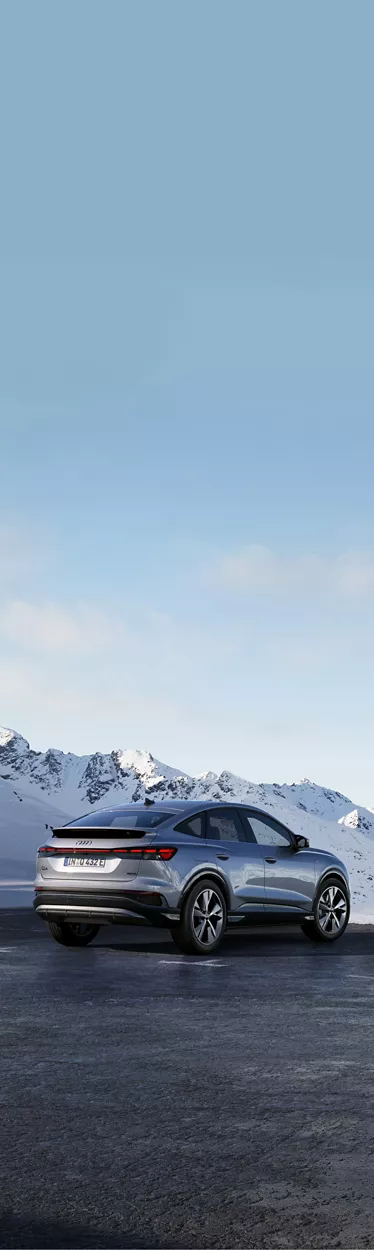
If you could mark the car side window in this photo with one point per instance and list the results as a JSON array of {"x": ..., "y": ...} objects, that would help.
[
  {"x": 194, "y": 826},
  {"x": 225, "y": 826},
  {"x": 266, "y": 831}
]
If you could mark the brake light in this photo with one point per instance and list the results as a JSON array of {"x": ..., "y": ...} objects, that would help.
[
  {"x": 128, "y": 850},
  {"x": 142, "y": 852},
  {"x": 148, "y": 852}
]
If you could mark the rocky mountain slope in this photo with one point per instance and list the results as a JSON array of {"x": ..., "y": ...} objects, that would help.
[{"x": 44, "y": 788}]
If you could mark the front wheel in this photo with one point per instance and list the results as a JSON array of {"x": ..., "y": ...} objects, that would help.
[
  {"x": 330, "y": 912},
  {"x": 73, "y": 934},
  {"x": 203, "y": 920}
]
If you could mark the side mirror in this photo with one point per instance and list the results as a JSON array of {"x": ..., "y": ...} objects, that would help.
[{"x": 300, "y": 843}]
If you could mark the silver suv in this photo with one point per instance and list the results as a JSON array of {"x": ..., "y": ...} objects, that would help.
[{"x": 192, "y": 867}]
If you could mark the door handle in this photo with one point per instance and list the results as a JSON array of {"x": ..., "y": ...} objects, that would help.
[
  {"x": 221, "y": 856},
  {"x": 269, "y": 859}
]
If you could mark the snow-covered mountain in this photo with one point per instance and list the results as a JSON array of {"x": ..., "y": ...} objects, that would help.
[
  {"x": 23, "y": 824},
  {"x": 47, "y": 788}
]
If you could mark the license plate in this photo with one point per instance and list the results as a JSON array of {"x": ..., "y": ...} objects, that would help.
[{"x": 83, "y": 861}]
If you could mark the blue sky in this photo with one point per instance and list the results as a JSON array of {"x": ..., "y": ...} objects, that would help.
[{"x": 186, "y": 383}]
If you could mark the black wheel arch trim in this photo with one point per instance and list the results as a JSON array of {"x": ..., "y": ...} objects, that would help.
[{"x": 214, "y": 875}]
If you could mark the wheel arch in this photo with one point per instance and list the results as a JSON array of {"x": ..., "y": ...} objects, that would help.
[
  {"x": 331, "y": 872},
  {"x": 214, "y": 875}
]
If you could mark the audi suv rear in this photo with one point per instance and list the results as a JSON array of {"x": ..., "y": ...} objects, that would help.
[{"x": 190, "y": 866}]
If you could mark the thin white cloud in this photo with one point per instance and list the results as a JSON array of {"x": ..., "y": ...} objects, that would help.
[
  {"x": 23, "y": 551},
  {"x": 354, "y": 573},
  {"x": 257, "y": 568},
  {"x": 47, "y": 627}
]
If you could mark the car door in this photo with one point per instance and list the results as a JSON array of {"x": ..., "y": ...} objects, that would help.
[
  {"x": 238, "y": 855},
  {"x": 289, "y": 873}
]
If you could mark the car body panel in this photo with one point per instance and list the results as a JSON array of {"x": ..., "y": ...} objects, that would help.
[
  {"x": 290, "y": 880},
  {"x": 243, "y": 864}
]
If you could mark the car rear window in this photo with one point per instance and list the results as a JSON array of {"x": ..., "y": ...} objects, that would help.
[{"x": 120, "y": 819}]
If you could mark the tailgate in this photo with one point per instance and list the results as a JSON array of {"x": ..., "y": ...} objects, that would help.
[{"x": 79, "y": 860}]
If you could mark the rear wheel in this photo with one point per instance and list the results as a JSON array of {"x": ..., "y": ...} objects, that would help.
[
  {"x": 203, "y": 920},
  {"x": 73, "y": 934},
  {"x": 330, "y": 912}
]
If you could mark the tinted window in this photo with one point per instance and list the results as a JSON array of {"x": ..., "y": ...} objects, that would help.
[
  {"x": 193, "y": 826},
  {"x": 266, "y": 831},
  {"x": 225, "y": 826},
  {"x": 117, "y": 818}
]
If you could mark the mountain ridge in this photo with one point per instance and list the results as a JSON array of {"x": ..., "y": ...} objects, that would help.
[{"x": 94, "y": 775}]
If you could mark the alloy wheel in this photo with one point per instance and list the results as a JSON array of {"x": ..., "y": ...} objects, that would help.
[
  {"x": 207, "y": 917},
  {"x": 332, "y": 909}
]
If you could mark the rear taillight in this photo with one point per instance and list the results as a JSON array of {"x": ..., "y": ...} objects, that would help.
[
  {"x": 148, "y": 852},
  {"x": 142, "y": 852}
]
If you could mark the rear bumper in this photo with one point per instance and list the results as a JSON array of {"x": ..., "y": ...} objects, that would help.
[{"x": 111, "y": 907}]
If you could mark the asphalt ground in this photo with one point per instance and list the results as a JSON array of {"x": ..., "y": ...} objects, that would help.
[{"x": 151, "y": 1100}]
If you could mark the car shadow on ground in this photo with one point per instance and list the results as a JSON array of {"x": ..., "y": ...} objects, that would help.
[
  {"x": 39, "y": 1234},
  {"x": 254, "y": 942}
]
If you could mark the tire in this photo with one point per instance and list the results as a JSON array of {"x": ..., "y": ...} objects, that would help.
[
  {"x": 73, "y": 934},
  {"x": 330, "y": 912},
  {"x": 203, "y": 920}
]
